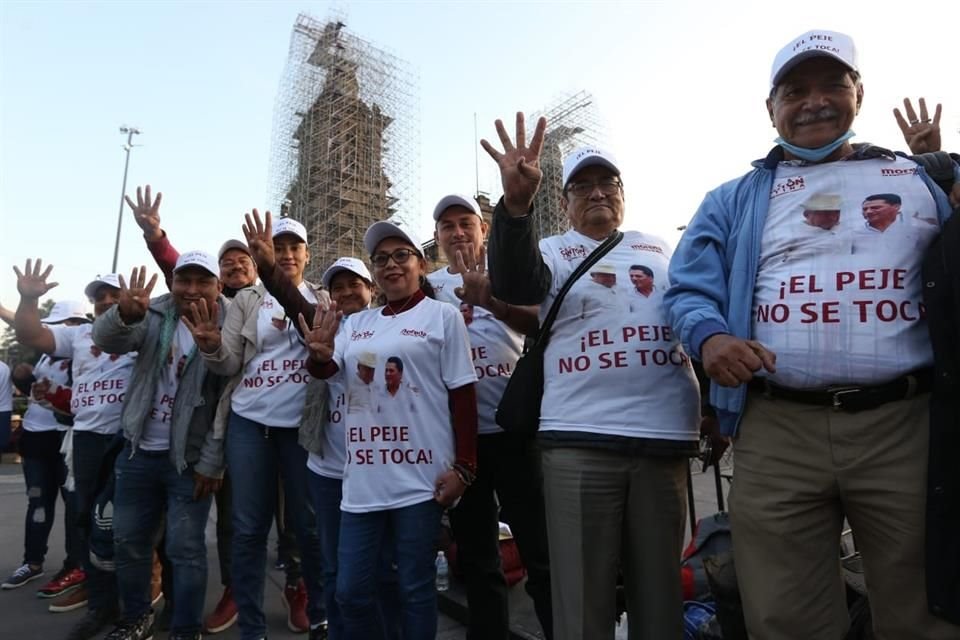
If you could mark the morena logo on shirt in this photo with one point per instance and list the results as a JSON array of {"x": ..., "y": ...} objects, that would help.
[
  {"x": 891, "y": 173},
  {"x": 640, "y": 246},
  {"x": 572, "y": 253},
  {"x": 416, "y": 333},
  {"x": 361, "y": 335}
]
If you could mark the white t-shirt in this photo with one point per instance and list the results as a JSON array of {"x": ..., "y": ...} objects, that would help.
[
  {"x": 844, "y": 305},
  {"x": 331, "y": 463},
  {"x": 39, "y": 418},
  {"x": 99, "y": 379},
  {"x": 6, "y": 388},
  {"x": 397, "y": 448},
  {"x": 613, "y": 366},
  {"x": 494, "y": 346},
  {"x": 156, "y": 430},
  {"x": 274, "y": 384}
]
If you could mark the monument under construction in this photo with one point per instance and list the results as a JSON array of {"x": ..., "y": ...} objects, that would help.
[
  {"x": 345, "y": 139},
  {"x": 571, "y": 123}
]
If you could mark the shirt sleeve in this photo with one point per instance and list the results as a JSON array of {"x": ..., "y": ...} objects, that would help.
[
  {"x": 456, "y": 365},
  {"x": 63, "y": 337}
]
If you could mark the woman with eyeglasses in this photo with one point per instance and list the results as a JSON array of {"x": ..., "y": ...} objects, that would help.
[
  {"x": 260, "y": 348},
  {"x": 410, "y": 428}
]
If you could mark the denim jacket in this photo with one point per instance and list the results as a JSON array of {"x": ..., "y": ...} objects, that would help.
[
  {"x": 192, "y": 440},
  {"x": 714, "y": 269}
]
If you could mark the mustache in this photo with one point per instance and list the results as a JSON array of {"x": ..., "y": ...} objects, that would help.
[{"x": 825, "y": 113}]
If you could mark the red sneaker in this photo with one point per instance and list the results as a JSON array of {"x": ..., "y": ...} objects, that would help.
[
  {"x": 295, "y": 601},
  {"x": 63, "y": 583},
  {"x": 224, "y": 614}
]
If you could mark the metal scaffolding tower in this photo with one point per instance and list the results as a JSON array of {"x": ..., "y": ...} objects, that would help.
[
  {"x": 345, "y": 147},
  {"x": 571, "y": 123}
]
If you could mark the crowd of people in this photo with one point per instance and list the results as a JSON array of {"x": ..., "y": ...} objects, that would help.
[{"x": 357, "y": 410}]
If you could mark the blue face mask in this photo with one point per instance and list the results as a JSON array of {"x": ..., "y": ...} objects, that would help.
[{"x": 818, "y": 154}]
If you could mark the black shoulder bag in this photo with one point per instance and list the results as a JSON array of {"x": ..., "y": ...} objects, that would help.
[{"x": 519, "y": 408}]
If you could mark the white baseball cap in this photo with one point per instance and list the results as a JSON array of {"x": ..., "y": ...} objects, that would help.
[
  {"x": 811, "y": 44},
  {"x": 379, "y": 231},
  {"x": 587, "y": 157},
  {"x": 289, "y": 225},
  {"x": 200, "y": 259},
  {"x": 67, "y": 310},
  {"x": 455, "y": 200},
  {"x": 109, "y": 280},
  {"x": 346, "y": 264},
  {"x": 233, "y": 244}
]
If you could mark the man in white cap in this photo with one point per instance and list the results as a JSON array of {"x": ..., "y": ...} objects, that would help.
[
  {"x": 508, "y": 466},
  {"x": 822, "y": 434},
  {"x": 620, "y": 406},
  {"x": 172, "y": 460},
  {"x": 99, "y": 384}
]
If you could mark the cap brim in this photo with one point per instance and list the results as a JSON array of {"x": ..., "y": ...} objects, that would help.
[
  {"x": 230, "y": 245},
  {"x": 91, "y": 289},
  {"x": 803, "y": 56},
  {"x": 591, "y": 161},
  {"x": 454, "y": 200},
  {"x": 329, "y": 274}
]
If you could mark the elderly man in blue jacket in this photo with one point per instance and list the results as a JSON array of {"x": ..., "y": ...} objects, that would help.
[{"x": 821, "y": 365}]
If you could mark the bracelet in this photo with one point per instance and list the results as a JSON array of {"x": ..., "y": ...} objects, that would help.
[{"x": 467, "y": 477}]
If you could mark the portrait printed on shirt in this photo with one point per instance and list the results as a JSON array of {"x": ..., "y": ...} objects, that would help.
[{"x": 838, "y": 294}]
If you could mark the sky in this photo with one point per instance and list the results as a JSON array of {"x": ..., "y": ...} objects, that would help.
[{"x": 680, "y": 85}]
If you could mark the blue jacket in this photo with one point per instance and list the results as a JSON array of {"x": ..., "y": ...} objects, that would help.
[{"x": 714, "y": 269}]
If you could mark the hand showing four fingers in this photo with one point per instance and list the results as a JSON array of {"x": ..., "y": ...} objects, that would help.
[
  {"x": 921, "y": 133},
  {"x": 204, "y": 326},
  {"x": 135, "y": 297},
  {"x": 519, "y": 164},
  {"x": 319, "y": 336},
  {"x": 476, "y": 289}
]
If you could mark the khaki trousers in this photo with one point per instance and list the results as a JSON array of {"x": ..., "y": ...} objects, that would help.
[
  {"x": 800, "y": 470},
  {"x": 607, "y": 511}
]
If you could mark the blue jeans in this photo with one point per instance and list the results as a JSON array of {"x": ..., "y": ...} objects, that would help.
[
  {"x": 148, "y": 484},
  {"x": 89, "y": 451},
  {"x": 415, "y": 530},
  {"x": 44, "y": 473},
  {"x": 255, "y": 455},
  {"x": 326, "y": 494}
]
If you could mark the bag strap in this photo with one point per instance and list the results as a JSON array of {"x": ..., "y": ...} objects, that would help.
[{"x": 543, "y": 335}]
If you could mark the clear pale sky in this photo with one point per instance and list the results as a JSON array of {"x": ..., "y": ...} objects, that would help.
[{"x": 680, "y": 84}]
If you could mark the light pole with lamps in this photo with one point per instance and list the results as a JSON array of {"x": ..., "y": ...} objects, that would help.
[{"x": 130, "y": 131}]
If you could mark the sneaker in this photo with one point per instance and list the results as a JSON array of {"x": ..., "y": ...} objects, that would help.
[
  {"x": 73, "y": 599},
  {"x": 224, "y": 614},
  {"x": 139, "y": 629},
  {"x": 295, "y": 601},
  {"x": 92, "y": 624},
  {"x": 319, "y": 632},
  {"x": 64, "y": 582},
  {"x": 22, "y": 576}
]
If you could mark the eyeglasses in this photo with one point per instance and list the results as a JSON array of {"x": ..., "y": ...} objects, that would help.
[
  {"x": 584, "y": 189},
  {"x": 400, "y": 256}
]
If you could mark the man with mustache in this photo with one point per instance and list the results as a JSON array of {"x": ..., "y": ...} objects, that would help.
[{"x": 822, "y": 433}]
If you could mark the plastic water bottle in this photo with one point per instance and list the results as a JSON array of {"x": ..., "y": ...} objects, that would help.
[{"x": 443, "y": 572}]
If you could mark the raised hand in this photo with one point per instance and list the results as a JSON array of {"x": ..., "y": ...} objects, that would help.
[
  {"x": 319, "y": 337},
  {"x": 32, "y": 282},
  {"x": 135, "y": 298},
  {"x": 203, "y": 325},
  {"x": 259, "y": 237},
  {"x": 476, "y": 289},
  {"x": 147, "y": 213},
  {"x": 922, "y": 134},
  {"x": 519, "y": 164}
]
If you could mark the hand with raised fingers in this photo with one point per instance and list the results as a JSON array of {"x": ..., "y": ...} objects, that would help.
[
  {"x": 476, "y": 288},
  {"x": 146, "y": 211},
  {"x": 203, "y": 325},
  {"x": 32, "y": 281},
  {"x": 319, "y": 337},
  {"x": 732, "y": 361},
  {"x": 259, "y": 237},
  {"x": 519, "y": 165},
  {"x": 135, "y": 298},
  {"x": 921, "y": 133}
]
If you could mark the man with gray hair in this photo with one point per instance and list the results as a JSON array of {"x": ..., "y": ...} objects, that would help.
[{"x": 821, "y": 365}]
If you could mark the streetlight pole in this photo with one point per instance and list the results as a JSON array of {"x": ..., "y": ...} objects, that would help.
[{"x": 130, "y": 131}]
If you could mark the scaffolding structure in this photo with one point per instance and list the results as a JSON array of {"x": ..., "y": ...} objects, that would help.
[
  {"x": 572, "y": 122},
  {"x": 345, "y": 146}
]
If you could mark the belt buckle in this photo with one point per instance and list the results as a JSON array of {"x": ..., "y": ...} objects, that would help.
[{"x": 837, "y": 394}]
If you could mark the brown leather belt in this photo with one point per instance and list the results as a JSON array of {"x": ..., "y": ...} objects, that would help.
[{"x": 852, "y": 398}]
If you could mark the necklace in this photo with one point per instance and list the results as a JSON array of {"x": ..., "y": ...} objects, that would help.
[{"x": 393, "y": 311}]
